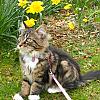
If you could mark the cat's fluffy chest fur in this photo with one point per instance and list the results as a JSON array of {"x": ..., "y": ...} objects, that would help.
[{"x": 29, "y": 62}]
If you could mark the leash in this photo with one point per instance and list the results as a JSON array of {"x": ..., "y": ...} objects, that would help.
[{"x": 56, "y": 81}]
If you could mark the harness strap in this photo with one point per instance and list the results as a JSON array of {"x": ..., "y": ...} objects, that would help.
[
  {"x": 60, "y": 86},
  {"x": 56, "y": 81}
]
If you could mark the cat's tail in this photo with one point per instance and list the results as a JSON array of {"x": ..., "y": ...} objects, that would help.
[
  {"x": 88, "y": 77},
  {"x": 92, "y": 75}
]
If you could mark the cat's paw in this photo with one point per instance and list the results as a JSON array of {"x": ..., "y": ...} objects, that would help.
[
  {"x": 53, "y": 90},
  {"x": 34, "y": 97},
  {"x": 17, "y": 97}
]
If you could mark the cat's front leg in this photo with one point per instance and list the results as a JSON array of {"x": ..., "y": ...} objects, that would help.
[
  {"x": 17, "y": 97},
  {"x": 34, "y": 97},
  {"x": 25, "y": 90},
  {"x": 35, "y": 90},
  {"x": 38, "y": 81}
]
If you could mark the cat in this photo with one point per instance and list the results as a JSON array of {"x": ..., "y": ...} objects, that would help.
[{"x": 35, "y": 50}]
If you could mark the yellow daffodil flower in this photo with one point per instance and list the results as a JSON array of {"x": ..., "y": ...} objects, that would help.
[
  {"x": 85, "y": 20},
  {"x": 22, "y": 3},
  {"x": 35, "y": 7},
  {"x": 68, "y": 6},
  {"x": 55, "y": 2},
  {"x": 30, "y": 22},
  {"x": 71, "y": 25}
]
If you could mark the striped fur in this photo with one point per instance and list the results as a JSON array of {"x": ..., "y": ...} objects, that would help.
[{"x": 34, "y": 48}]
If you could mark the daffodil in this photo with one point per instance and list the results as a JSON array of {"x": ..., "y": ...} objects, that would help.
[
  {"x": 55, "y": 2},
  {"x": 30, "y": 22},
  {"x": 68, "y": 6},
  {"x": 85, "y": 20},
  {"x": 35, "y": 7},
  {"x": 22, "y": 3},
  {"x": 71, "y": 25}
]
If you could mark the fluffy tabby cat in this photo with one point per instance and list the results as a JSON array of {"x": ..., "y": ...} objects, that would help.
[{"x": 34, "y": 51}]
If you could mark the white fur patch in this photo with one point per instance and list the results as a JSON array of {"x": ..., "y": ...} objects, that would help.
[
  {"x": 33, "y": 97},
  {"x": 29, "y": 65},
  {"x": 17, "y": 97},
  {"x": 28, "y": 61},
  {"x": 53, "y": 90}
]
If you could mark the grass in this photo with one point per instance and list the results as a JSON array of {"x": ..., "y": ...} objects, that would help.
[{"x": 9, "y": 16}]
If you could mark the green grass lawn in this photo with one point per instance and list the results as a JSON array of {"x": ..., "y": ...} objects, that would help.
[{"x": 88, "y": 56}]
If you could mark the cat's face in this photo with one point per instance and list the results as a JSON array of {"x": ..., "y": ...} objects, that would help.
[{"x": 32, "y": 40}]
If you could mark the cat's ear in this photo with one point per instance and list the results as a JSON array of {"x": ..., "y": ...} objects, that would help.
[
  {"x": 22, "y": 25},
  {"x": 22, "y": 28},
  {"x": 41, "y": 31}
]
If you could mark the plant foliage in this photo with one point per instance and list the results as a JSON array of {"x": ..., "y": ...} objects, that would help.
[{"x": 9, "y": 16}]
